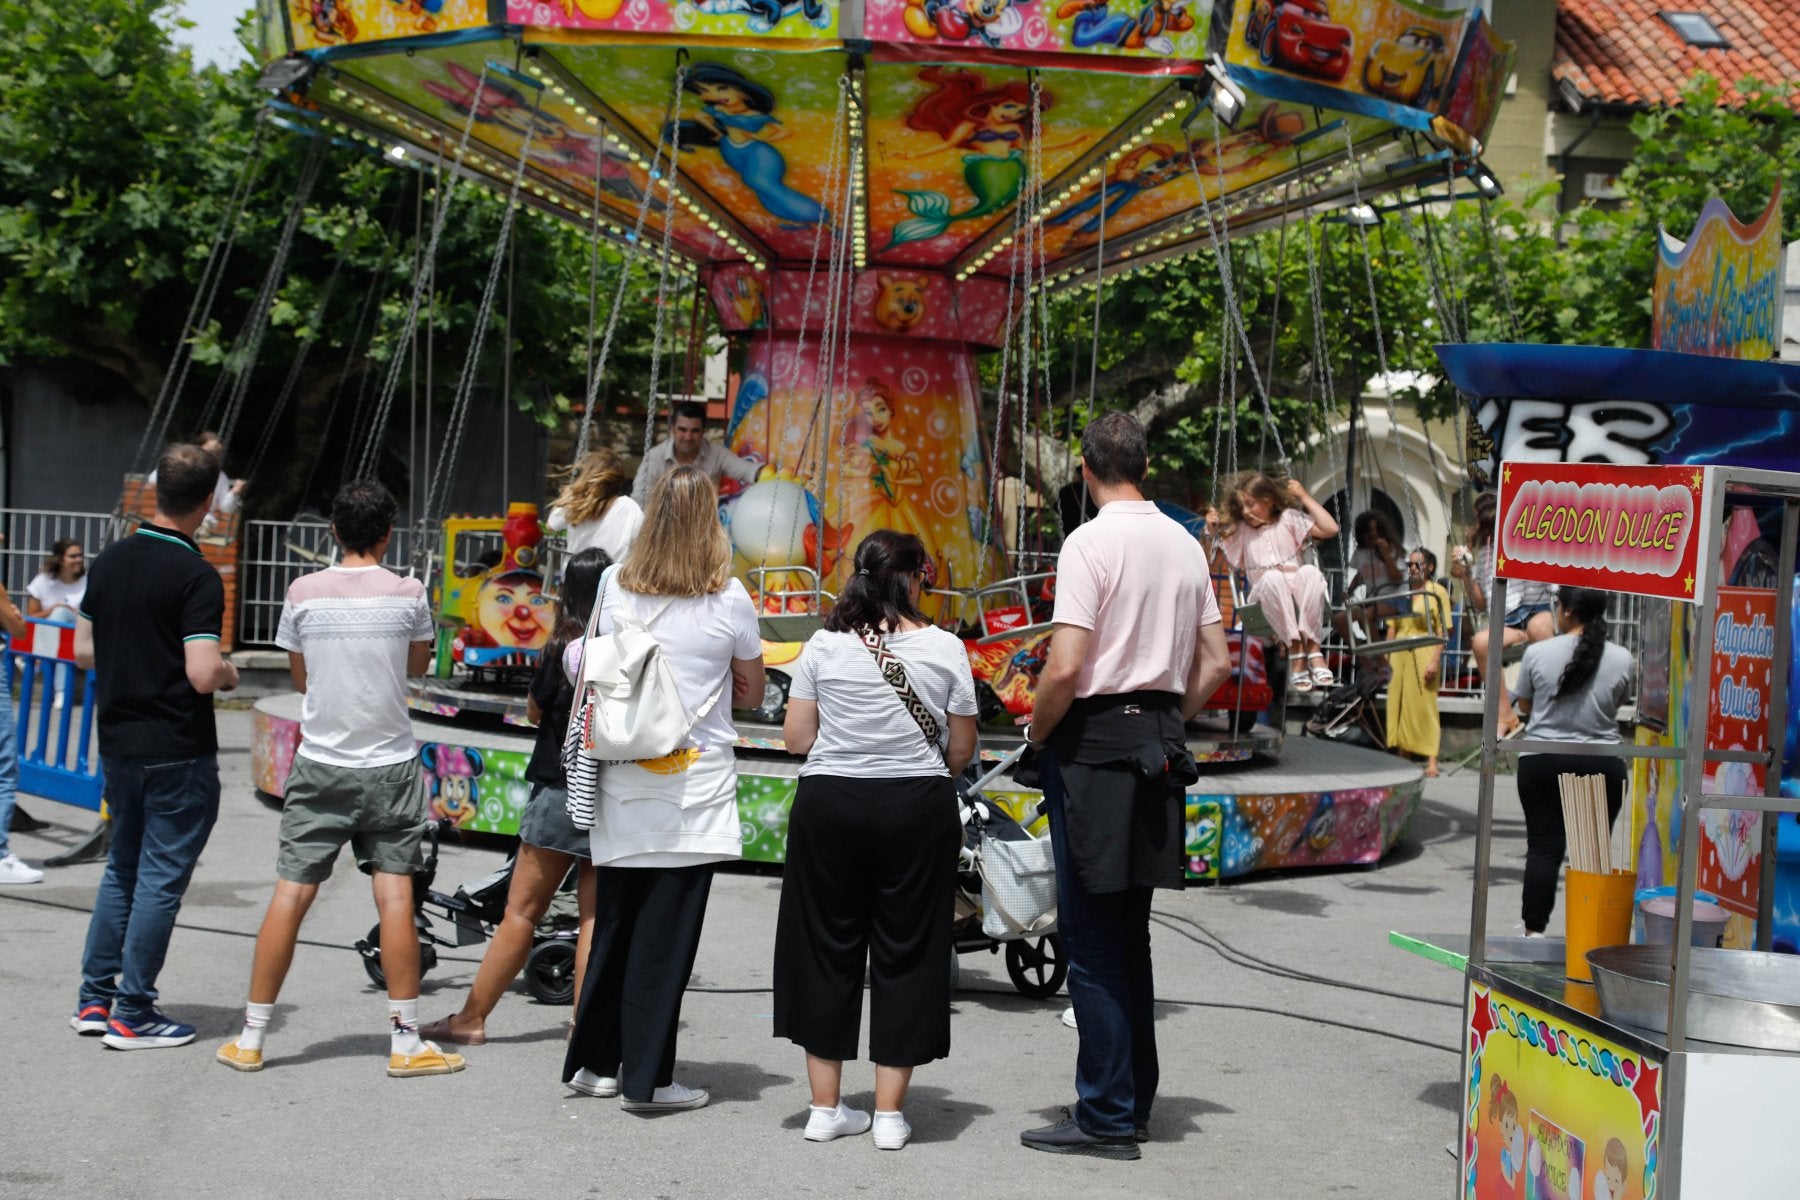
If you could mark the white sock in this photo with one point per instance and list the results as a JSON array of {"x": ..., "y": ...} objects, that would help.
[
  {"x": 403, "y": 1016},
  {"x": 256, "y": 1024}
]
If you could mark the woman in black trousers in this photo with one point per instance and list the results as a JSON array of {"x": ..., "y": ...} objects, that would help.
[
  {"x": 1569, "y": 690},
  {"x": 873, "y": 839}
]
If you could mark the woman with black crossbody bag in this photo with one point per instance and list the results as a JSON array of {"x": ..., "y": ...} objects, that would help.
[{"x": 883, "y": 705}]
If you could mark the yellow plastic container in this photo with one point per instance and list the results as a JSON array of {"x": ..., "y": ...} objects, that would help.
[{"x": 1597, "y": 912}]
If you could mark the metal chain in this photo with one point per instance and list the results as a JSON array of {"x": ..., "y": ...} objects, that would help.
[
  {"x": 833, "y": 164},
  {"x": 1502, "y": 277},
  {"x": 437, "y": 498},
  {"x": 1322, "y": 358},
  {"x": 1220, "y": 237},
  {"x": 592, "y": 381},
  {"x": 384, "y": 402},
  {"x": 256, "y": 325},
  {"x": 1380, "y": 342},
  {"x": 663, "y": 254},
  {"x": 168, "y": 393}
]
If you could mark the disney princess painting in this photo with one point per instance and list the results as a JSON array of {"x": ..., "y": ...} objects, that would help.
[
  {"x": 737, "y": 118},
  {"x": 879, "y": 469},
  {"x": 991, "y": 125}
]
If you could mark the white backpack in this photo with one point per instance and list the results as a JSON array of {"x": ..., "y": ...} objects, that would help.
[{"x": 628, "y": 691}]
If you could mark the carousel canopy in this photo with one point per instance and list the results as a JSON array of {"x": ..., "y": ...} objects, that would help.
[{"x": 920, "y": 135}]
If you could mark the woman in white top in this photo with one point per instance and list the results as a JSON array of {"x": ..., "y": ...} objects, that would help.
[
  {"x": 662, "y": 825},
  {"x": 55, "y": 592},
  {"x": 596, "y": 508},
  {"x": 870, "y": 875}
]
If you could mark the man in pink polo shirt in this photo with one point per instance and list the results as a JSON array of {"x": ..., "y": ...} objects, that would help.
[{"x": 1138, "y": 649}]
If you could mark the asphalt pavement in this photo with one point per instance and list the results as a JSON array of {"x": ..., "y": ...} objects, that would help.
[{"x": 1301, "y": 1054}]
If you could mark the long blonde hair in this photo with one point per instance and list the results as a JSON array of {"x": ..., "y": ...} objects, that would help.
[
  {"x": 593, "y": 484},
  {"x": 681, "y": 549}
]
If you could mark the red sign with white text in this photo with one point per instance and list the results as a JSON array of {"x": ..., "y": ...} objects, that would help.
[
  {"x": 1597, "y": 525},
  {"x": 1737, "y": 718}
]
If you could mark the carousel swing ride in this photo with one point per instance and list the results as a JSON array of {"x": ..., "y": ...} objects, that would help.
[{"x": 869, "y": 194}]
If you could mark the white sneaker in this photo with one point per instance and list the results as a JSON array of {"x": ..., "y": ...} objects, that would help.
[
  {"x": 828, "y": 1124},
  {"x": 891, "y": 1130},
  {"x": 14, "y": 870},
  {"x": 590, "y": 1084},
  {"x": 1068, "y": 1017},
  {"x": 673, "y": 1098}
]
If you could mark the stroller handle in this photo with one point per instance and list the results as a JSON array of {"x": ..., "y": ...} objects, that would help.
[{"x": 1000, "y": 768}]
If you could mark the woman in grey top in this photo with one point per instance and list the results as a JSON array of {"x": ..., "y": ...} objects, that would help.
[
  {"x": 870, "y": 874},
  {"x": 1569, "y": 690}
]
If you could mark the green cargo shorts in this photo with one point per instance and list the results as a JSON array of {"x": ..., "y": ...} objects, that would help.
[{"x": 379, "y": 811}]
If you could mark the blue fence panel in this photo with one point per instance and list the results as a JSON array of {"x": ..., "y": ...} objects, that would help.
[{"x": 54, "y": 744}]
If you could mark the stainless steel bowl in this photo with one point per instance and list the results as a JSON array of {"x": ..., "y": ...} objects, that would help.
[{"x": 1735, "y": 997}]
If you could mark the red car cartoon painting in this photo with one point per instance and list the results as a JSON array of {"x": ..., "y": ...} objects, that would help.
[{"x": 1299, "y": 36}]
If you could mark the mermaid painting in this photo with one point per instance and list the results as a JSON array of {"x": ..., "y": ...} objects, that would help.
[
  {"x": 737, "y": 118},
  {"x": 991, "y": 125}
]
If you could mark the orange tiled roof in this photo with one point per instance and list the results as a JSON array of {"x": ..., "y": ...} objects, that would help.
[{"x": 1621, "y": 52}]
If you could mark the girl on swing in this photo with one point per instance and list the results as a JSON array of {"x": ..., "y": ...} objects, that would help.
[{"x": 1264, "y": 533}]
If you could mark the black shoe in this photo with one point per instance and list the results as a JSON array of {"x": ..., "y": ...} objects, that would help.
[
  {"x": 24, "y": 822},
  {"x": 1141, "y": 1134},
  {"x": 1066, "y": 1137}
]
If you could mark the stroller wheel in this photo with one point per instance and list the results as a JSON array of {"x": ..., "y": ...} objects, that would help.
[
  {"x": 1037, "y": 966},
  {"x": 550, "y": 971},
  {"x": 370, "y": 949}
]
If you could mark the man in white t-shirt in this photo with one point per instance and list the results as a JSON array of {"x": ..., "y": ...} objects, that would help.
[
  {"x": 1138, "y": 648},
  {"x": 353, "y": 633}
]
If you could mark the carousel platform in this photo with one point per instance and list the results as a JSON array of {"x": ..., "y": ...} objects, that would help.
[{"x": 1321, "y": 804}]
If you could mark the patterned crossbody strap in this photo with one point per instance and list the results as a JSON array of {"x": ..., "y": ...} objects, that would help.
[{"x": 894, "y": 671}]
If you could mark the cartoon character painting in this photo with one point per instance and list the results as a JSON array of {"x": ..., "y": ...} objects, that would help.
[
  {"x": 1299, "y": 36},
  {"x": 593, "y": 10},
  {"x": 749, "y": 304},
  {"x": 737, "y": 119},
  {"x": 991, "y": 125},
  {"x": 1134, "y": 173},
  {"x": 1503, "y": 1110},
  {"x": 580, "y": 158},
  {"x": 990, "y": 21},
  {"x": 900, "y": 305},
  {"x": 890, "y": 469},
  {"x": 1097, "y": 24},
  {"x": 1609, "y": 1183},
  {"x": 765, "y": 15},
  {"x": 330, "y": 19},
  {"x": 451, "y": 773},
  {"x": 1411, "y": 68}
]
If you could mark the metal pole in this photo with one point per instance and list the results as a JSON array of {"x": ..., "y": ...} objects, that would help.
[
  {"x": 1484, "y": 804},
  {"x": 1777, "y": 717},
  {"x": 1693, "y": 769}
]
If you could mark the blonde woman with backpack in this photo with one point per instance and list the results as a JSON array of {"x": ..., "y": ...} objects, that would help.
[{"x": 661, "y": 825}]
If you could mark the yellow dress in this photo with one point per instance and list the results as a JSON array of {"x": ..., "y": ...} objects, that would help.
[
  {"x": 1412, "y": 699},
  {"x": 878, "y": 472}
]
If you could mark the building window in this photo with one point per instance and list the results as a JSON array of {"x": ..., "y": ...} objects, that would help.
[{"x": 1696, "y": 30}]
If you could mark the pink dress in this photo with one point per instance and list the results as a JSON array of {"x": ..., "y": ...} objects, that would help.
[{"x": 1290, "y": 590}]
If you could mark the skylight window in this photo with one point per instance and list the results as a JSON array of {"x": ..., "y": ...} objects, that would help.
[{"x": 1696, "y": 30}]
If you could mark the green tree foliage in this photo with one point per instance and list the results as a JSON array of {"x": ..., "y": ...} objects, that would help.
[{"x": 118, "y": 158}]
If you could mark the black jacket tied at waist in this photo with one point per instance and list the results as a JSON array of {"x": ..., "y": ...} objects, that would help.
[{"x": 1124, "y": 768}]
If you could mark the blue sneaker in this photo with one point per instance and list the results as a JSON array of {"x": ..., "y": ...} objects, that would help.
[
  {"x": 150, "y": 1032},
  {"x": 89, "y": 1020}
]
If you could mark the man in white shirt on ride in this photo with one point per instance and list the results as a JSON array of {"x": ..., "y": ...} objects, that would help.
[{"x": 687, "y": 446}]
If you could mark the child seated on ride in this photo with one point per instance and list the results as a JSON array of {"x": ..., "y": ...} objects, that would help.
[{"x": 1264, "y": 533}]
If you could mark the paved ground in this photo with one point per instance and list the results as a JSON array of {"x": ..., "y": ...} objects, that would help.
[{"x": 1302, "y": 1055}]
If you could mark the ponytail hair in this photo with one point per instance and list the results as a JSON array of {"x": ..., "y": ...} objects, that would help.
[
  {"x": 878, "y": 594},
  {"x": 1589, "y": 608},
  {"x": 575, "y": 601}
]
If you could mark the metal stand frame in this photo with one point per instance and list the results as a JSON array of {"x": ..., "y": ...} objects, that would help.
[{"x": 1693, "y": 755}]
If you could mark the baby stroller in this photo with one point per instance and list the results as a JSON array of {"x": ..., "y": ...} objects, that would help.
[
  {"x": 1348, "y": 714},
  {"x": 473, "y": 911},
  {"x": 1034, "y": 962}
]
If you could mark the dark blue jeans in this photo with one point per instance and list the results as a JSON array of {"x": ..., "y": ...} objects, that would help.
[
  {"x": 1106, "y": 937},
  {"x": 163, "y": 810}
]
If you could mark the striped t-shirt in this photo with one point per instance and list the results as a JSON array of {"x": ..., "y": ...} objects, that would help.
[{"x": 355, "y": 625}]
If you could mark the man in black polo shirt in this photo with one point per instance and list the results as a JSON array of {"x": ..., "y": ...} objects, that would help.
[{"x": 149, "y": 626}]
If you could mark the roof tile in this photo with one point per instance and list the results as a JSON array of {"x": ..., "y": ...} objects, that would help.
[{"x": 1622, "y": 52}]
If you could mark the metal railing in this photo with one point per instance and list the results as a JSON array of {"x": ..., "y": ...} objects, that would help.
[
  {"x": 30, "y": 532},
  {"x": 272, "y": 554}
]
